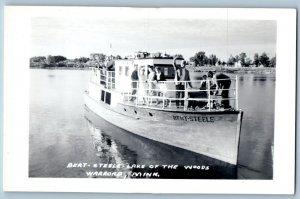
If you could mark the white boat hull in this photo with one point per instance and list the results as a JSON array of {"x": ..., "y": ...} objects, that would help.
[{"x": 213, "y": 134}]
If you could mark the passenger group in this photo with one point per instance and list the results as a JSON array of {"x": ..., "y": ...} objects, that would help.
[{"x": 152, "y": 84}]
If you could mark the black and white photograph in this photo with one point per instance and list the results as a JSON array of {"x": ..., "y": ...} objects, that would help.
[{"x": 153, "y": 94}]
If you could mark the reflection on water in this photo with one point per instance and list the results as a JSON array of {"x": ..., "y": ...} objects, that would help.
[
  {"x": 117, "y": 146},
  {"x": 62, "y": 131},
  {"x": 109, "y": 150}
]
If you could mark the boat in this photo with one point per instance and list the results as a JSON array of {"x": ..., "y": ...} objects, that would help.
[{"x": 200, "y": 125}]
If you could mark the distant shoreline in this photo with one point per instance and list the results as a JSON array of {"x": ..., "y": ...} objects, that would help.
[
  {"x": 240, "y": 70},
  {"x": 59, "y": 68}
]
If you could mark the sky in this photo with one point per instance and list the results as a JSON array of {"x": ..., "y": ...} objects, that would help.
[{"x": 76, "y": 37}]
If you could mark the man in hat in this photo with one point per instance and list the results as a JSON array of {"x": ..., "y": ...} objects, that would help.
[
  {"x": 221, "y": 82},
  {"x": 181, "y": 75}
]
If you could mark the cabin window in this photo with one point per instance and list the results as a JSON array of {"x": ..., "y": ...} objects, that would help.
[
  {"x": 120, "y": 70},
  {"x": 126, "y": 71},
  {"x": 166, "y": 71},
  {"x": 102, "y": 95},
  {"x": 107, "y": 98}
]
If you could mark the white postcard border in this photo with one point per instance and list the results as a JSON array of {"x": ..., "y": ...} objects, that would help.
[{"x": 16, "y": 107}]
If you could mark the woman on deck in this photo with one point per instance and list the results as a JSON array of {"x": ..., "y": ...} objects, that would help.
[
  {"x": 151, "y": 80},
  {"x": 143, "y": 85},
  {"x": 161, "y": 86},
  {"x": 152, "y": 84}
]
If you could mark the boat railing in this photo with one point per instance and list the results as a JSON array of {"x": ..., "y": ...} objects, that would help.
[
  {"x": 104, "y": 77},
  {"x": 193, "y": 98}
]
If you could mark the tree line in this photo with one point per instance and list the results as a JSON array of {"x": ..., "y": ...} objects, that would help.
[
  {"x": 242, "y": 60},
  {"x": 95, "y": 59},
  {"x": 199, "y": 59},
  {"x": 58, "y": 61}
]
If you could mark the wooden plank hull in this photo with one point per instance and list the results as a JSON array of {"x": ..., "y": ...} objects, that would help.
[{"x": 214, "y": 134}]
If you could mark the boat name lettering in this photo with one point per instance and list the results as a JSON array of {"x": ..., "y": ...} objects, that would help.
[{"x": 194, "y": 118}]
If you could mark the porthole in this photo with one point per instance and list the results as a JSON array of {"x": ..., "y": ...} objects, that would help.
[{"x": 150, "y": 114}]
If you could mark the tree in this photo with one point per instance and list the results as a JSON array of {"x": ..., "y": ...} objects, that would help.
[
  {"x": 38, "y": 59},
  {"x": 82, "y": 59},
  {"x": 100, "y": 57},
  {"x": 247, "y": 62},
  {"x": 199, "y": 58},
  {"x": 256, "y": 59},
  {"x": 59, "y": 58},
  {"x": 178, "y": 56},
  {"x": 50, "y": 61},
  {"x": 231, "y": 61},
  {"x": 118, "y": 57},
  {"x": 56, "y": 60},
  {"x": 237, "y": 58},
  {"x": 264, "y": 59},
  {"x": 212, "y": 60},
  {"x": 273, "y": 62},
  {"x": 242, "y": 58},
  {"x": 192, "y": 59},
  {"x": 37, "y": 62}
]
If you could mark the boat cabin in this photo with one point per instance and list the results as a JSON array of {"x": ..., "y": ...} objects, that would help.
[
  {"x": 163, "y": 94},
  {"x": 125, "y": 67}
]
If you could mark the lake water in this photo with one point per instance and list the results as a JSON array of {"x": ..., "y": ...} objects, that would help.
[{"x": 64, "y": 131}]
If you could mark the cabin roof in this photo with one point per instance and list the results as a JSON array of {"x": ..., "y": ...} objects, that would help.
[{"x": 137, "y": 58}]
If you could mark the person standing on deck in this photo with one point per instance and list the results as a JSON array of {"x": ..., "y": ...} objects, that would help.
[
  {"x": 134, "y": 79},
  {"x": 181, "y": 74},
  {"x": 221, "y": 82},
  {"x": 143, "y": 85},
  {"x": 160, "y": 76},
  {"x": 160, "y": 81},
  {"x": 203, "y": 83},
  {"x": 151, "y": 80}
]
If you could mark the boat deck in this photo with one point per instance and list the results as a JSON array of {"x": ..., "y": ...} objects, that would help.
[
  {"x": 163, "y": 95},
  {"x": 169, "y": 103}
]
